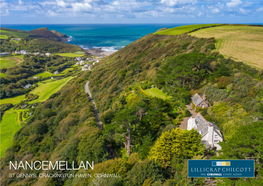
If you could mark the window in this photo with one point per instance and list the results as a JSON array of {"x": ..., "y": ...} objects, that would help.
[{"x": 216, "y": 141}]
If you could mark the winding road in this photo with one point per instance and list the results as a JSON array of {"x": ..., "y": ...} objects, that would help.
[
  {"x": 96, "y": 112},
  {"x": 97, "y": 116}
]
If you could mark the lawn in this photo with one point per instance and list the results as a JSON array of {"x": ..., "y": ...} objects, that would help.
[
  {"x": 155, "y": 92},
  {"x": 14, "y": 100},
  {"x": 46, "y": 90},
  {"x": 242, "y": 43},
  {"x": 2, "y": 74},
  {"x": 69, "y": 54},
  {"x": 183, "y": 29},
  {"x": 10, "y": 61},
  {"x": 44, "y": 74},
  {"x": 3, "y": 36},
  {"x": 9, "y": 126},
  {"x": 14, "y": 34}
]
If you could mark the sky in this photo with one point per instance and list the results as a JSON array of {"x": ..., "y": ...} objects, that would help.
[{"x": 130, "y": 11}]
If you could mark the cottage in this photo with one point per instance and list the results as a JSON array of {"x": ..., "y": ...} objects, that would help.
[
  {"x": 17, "y": 52},
  {"x": 23, "y": 106},
  {"x": 37, "y": 53},
  {"x": 48, "y": 54},
  {"x": 78, "y": 63},
  {"x": 84, "y": 69},
  {"x": 81, "y": 62},
  {"x": 56, "y": 72},
  {"x": 5, "y": 53},
  {"x": 77, "y": 59},
  {"x": 87, "y": 65},
  {"x": 199, "y": 101},
  {"x": 35, "y": 77},
  {"x": 24, "y": 52},
  {"x": 28, "y": 86},
  {"x": 210, "y": 133},
  {"x": 17, "y": 39}
]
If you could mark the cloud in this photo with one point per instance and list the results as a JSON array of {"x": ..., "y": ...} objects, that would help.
[
  {"x": 20, "y": 2},
  {"x": 215, "y": 10},
  {"x": 177, "y": 2},
  {"x": 233, "y": 3}
]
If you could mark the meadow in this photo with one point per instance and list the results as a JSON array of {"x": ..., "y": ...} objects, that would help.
[
  {"x": 241, "y": 43},
  {"x": 9, "y": 126},
  {"x": 3, "y": 36},
  {"x": 155, "y": 92},
  {"x": 10, "y": 61},
  {"x": 76, "y": 54},
  {"x": 2, "y": 74},
  {"x": 184, "y": 29},
  {"x": 44, "y": 90},
  {"x": 14, "y": 34}
]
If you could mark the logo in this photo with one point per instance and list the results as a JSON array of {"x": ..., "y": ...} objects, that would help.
[{"x": 221, "y": 168}]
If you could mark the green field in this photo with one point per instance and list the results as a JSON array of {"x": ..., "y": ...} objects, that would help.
[
  {"x": 3, "y": 36},
  {"x": 2, "y": 74},
  {"x": 9, "y": 126},
  {"x": 10, "y": 61},
  {"x": 46, "y": 90},
  {"x": 44, "y": 74},
  {"x": 183, "y": 29},
  {"x": 14, "y": 100},
  {"x": 155, "y": 92},
  {"x": 242, "y": 43},
  {"x": 14, "y": 34},
  {"x": 70, "y": 54}
]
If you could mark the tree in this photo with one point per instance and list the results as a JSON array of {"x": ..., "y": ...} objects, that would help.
[{"x": 177, "y": 142}]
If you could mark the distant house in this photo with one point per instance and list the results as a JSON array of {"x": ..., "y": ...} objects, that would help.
[
  {"x": 81, "y": 62},
  {"x": 17, "y": 39},
  {"x": 35, "y": 77},
  {"x": 28, "y": 86},
  {"x": 98, "y": 61},
  {"x": 84, "y": 69},
  {"x": 56, "y": 72},
  {"x": 52, "y": 78},
  {"x": 37, "y": 53},
  {"x": 48, "y": 54},
  {"x": 199, "y": 101},
  {"x": 24, "y": 52},
  {"x": 78, "y": 63},
  {"x": 77, "y": 59},
  {"x": 23, "y": 106},
  {"x": 210, "y": 133},
  {"x": 87, "y": 65},
  {"x": 17, "y": 52}
]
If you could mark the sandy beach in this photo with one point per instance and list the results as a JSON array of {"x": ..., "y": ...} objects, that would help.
[{"x": 99, "y": 52}]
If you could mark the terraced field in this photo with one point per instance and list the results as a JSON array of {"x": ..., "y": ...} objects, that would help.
[{"x": 242, "y": 43}]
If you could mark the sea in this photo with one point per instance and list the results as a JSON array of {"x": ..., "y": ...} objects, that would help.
[{"x": 109, "y": 37}]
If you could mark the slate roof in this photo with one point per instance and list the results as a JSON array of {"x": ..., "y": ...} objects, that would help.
[
  {"x": 197, "y": 99},
  {"x": 202, "y": 124}
]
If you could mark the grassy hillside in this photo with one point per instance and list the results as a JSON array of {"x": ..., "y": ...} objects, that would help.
[
  {"x": 10, "y": 61},
  {"x": 9, "y": 126},
  {"x": 14, "y": 33},
  {"x": 184, "y": 29},
  {"x": 242, "y": 43},
  {"x": 44, "y": 32}
]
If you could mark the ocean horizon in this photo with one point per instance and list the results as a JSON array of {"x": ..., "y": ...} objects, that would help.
[{"x": 109, "y": 37}]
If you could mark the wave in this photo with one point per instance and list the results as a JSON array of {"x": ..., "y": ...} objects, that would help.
[
  {"x": 107, "y": 49},
  {"x": 69, "y": 39}
]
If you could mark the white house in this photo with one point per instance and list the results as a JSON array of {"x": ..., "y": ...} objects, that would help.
[
  {"x": 78, "y": 59},
  {"x": 81, "y": 62},
  {"x": 84, "y": 69},
  {"x": 56, "y": 72},
  {"x": 87, "y": 65},
  {"x": 28, "y": 86},
  {"x": 17, "y": 52},
  {"x": 211, "y": 134},
  {"x": 48, "y": 54},
  {"x": 24, "y": 52}
]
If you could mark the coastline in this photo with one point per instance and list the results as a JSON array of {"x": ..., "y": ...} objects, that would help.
[{"x": 99, "y": 52}]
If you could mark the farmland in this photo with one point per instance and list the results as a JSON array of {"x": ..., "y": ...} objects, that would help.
[
  {"x": 77, "y": 54},
  {"x": 14, "y": 33},
  {"x": 184, "y": 29},
  {"x": 3, "y": 36},
  {"x": 9, "y": 126},
  {"x": 10, "y": 61},
  {"x": 242, "y": 43}
]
